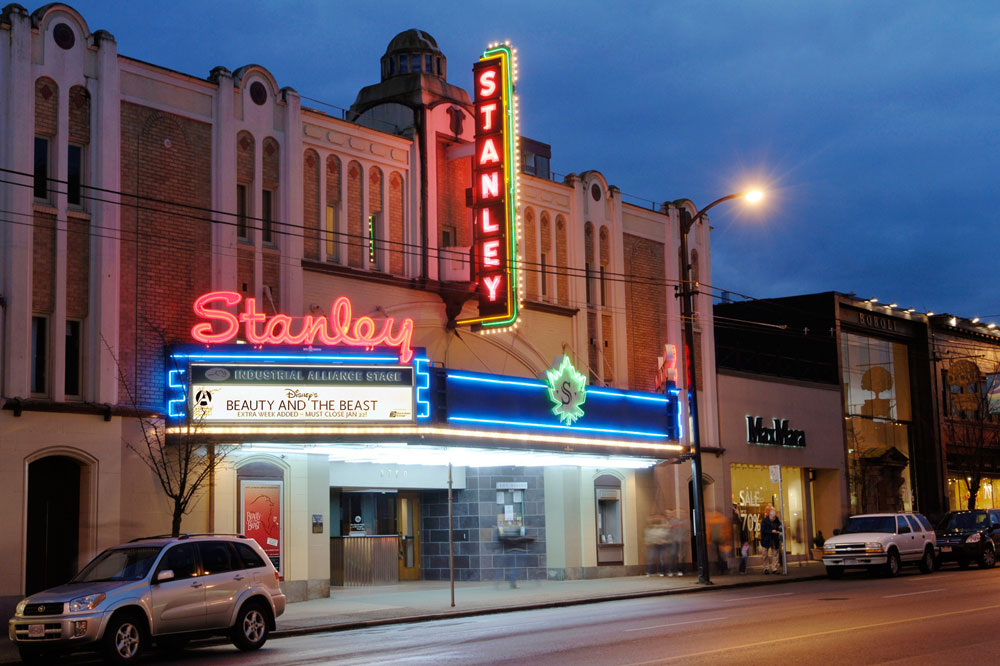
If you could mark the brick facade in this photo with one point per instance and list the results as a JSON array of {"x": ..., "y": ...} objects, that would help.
[
  {"x": 454, "y": 177},
  {"x": 77, "y": 267},
  {"x": 530, "y": 255},
  {"x": 43, "y": 262},
  {"x": 545, "y": 283},
  {"x": 562, "y": 260},
  {"x": 79, "y": 115},
  {"x": 645, "y": 309},
  {"x": 333, "y": 199},
  {"x": 396, "y": 220},
  {"x": 46, "y": 107},
  {"x": 165, "y": 157}
]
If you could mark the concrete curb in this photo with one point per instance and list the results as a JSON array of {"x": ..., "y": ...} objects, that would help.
[{"x": 559, "y": 603}]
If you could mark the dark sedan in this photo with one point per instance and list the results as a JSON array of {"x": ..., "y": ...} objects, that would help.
[{"x": 969, "y": 536}]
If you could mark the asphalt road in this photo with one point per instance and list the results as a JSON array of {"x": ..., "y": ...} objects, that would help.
[{"x": 946, "y": 617}]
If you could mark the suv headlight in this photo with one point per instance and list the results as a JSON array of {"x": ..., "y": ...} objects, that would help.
[
  {"x": 21, "y": 606},
  {"x": 88, "y": 602},
  {"x": 874, "y": 546},
  {"x": 973, "y": 538}
]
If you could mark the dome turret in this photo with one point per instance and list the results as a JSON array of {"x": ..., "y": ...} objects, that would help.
[{"x": 413, "y": 52}]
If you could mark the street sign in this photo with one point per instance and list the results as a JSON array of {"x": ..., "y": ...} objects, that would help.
[{"x": 775, "y": 473}]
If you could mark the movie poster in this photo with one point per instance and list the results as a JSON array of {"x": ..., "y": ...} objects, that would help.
[{"x": 260, "y": 503}]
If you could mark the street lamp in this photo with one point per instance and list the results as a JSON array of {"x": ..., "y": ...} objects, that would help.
[{"x": 686, "y": 293}]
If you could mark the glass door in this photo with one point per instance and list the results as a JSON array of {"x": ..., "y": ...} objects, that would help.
[{"x": 408, "y": 526}]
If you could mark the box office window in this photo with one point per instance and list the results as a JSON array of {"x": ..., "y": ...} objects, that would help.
[{"x": 610, "y": 538}]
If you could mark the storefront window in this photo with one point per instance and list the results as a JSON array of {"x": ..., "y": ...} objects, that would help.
[
  {"x": 988, "y": 496},
  {"x": 878, "y": 409},
  {"x": 754, "y": 493}
]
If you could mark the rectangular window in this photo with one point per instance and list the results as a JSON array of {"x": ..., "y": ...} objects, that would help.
[
  {"x": 415, "y": 62},
  {"x": 39, "y": 353},
  {"x": 267, "y": 216},
  {"x": 429, "y": 63},
  {"x": 331, "y": 233},
  {"x": 74, "y": 356},
  {"x": 242, "y": 232},
  {"x": 587, "y": 280},
  {"x": 373, "y": 244},
  {"x": 449, "y": 237},
  {"x": 404, "y": 64},
  {"x": 603, "y": 290},
  {"x": 41, "y": 168},
  {"x": 74, "y": 174},
  {"x": 545, "y": 277}
]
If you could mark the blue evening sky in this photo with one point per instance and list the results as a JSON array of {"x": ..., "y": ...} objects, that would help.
[{"x": 873, "y": 125}]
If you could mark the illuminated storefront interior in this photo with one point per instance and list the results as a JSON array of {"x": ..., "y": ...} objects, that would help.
[
  {"x": 878, "y": 414},
  {"x": 754, "y": 493}
]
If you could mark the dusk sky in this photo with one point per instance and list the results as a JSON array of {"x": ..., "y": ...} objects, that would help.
[{"x": 873, "y": 126}]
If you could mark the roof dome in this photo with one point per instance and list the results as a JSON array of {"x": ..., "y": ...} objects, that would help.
[{"x": 413, "y": 52}]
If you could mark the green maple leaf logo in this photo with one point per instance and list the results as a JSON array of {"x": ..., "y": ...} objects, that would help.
[{"x": 567, "y": 390}]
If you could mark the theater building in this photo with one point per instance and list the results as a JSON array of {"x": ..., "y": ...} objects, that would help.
[{"x": 343, "y": 302}]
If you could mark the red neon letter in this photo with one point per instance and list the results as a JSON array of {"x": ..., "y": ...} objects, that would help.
[
  {"x": 202, "y": 332},
  {"x": 488, "y": 110},
  {"x": 250, "y": 316},
  {"x": 487, "y": 83},
  {"x": 490, "y": 184},
  {"x": 489, "y": 154},
  {"x": 489, "y": 226},
  {"x": 491, "y": 253},
  {"x": 492, "y": 282}
]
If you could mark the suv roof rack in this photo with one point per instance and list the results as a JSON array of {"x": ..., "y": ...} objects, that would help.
[{"x": 188, "y": 535}]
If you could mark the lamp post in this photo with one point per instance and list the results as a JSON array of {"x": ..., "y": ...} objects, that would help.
[{"x": 687, "y": 292}]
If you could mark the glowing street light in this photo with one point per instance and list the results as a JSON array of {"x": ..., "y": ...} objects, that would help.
[{"x": 688, "y": 290}]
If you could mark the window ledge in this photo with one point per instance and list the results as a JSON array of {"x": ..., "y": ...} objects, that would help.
[{"x": 45, "y": 207}]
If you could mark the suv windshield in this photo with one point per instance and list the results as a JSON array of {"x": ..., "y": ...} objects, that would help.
[
  {"x": 963, "y": 520},
  {"x": 858, "y": 524},
  {"x": 131, "y": 563}
]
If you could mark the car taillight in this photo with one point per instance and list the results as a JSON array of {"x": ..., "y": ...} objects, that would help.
[{"x": 277, "y": 577}]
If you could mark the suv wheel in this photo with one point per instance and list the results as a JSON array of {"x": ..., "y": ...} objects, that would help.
[
  {"x": 892, "y": 564},
  {"x": 927, "y": 561},
  {"x": 124, "y": 639},
  {"x": 250, "y": 630},
  {"x": 988, "y": 559}
]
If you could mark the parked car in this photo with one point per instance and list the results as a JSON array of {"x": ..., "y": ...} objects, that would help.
[
  {"x": 881, "y": 542},
  {"x": 969, "y": 536},
  {"x": 162, "y": 589}
]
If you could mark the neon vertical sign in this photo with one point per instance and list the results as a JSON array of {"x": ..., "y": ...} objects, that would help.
[{"x": 494, "y": 186}]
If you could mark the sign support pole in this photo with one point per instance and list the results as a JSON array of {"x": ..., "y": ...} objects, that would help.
[{"x": 451, "y": 542}]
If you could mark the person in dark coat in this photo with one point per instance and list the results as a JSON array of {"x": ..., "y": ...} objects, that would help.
[{"x": 770, "y": 540}]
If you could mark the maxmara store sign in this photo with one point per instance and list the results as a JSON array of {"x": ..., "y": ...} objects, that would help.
[{"x": 265, "y": 393}]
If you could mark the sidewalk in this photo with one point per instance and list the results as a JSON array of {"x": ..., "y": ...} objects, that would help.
[{"x": 352, "y": 608}]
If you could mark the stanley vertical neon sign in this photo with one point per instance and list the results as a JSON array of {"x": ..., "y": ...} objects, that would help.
[{"x": 495, "y": 190}]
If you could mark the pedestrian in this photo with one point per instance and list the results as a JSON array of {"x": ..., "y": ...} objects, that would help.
[
  {"x": 676, "y": 537},
  {"x": 720, "y": 539},
  {"x": 744, "y": 550},
  {"x": 656, "y": 545},
  {"x": 770, "y": 539}
]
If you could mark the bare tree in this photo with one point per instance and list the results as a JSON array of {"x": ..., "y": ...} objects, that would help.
[
  {"x": 183, "y": 461},
  {"x": 972, "y": 428}
]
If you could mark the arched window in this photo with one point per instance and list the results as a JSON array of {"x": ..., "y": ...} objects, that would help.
[
  {"x": 374, "y": 230},
  {"x": 530, "y": 254},
  {"x": 545, "y": 258},
  {"x": 245, "y": 160},
  {"x": 270, "y": 177},
  {"x": 310, "y": 204},
  {"x": 356, "y": 238},
  {"x": 396, "y": 221},
  {"x": 562, "y": 260},
  {"x": 334, "y": 230}
]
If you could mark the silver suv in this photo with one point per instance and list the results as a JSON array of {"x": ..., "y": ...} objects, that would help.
[
  {"x": 163, "y": 589},
  {"x": 881, "y": 542}
]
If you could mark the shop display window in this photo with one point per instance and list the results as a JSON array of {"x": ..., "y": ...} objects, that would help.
[
  {"x": 878, "y": 408},
  {"x": 754, "y": 492}
]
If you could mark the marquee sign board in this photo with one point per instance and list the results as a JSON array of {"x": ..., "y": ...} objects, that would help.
[
  {"x": 267, "y": 393},
  {"x": 494, "y": 174}
]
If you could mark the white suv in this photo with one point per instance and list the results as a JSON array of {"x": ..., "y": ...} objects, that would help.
[{"x": 881, "y": 542}]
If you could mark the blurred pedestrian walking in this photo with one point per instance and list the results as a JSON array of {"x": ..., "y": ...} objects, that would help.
[{"x": 656, "y": 545}]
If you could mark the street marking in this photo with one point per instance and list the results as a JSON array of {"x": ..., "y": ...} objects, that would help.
[
  {"x": 910, "y": 594},
  {"x": 674, "y": 624},
  {"x": 812, "y": 635},
  {"x": 765, "y": 596}
]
